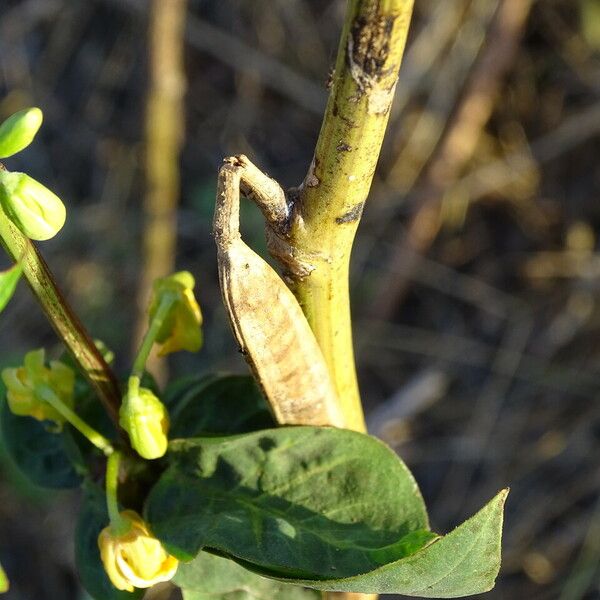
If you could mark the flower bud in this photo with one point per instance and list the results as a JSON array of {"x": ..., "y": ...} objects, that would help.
[
  {"x": 32, "y": 207},
  {"x": 21, "y": 384},
  {"x": 181, "y": 328},
  {"x": 18, "y": 131},
  {"x": 135, "y": 559},
  {"x": 144, "y": 417},
  {"x": 4, "y": 584}
]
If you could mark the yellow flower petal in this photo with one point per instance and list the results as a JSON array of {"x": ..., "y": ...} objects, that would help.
[
  {"x": 181, "y": 328},
  {"x": 135, "y": 558},
  {"x": 107, "y": 546},
  {"x": 22, "y": 381}
]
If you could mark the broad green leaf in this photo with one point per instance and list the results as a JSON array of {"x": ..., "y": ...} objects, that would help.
[
  {"x": 93, "y": 518},
  {"x": 41, "y": 455},
  {"x": 217, "y": 404},
  {"x": 210, "y": 577},
  {"x": 318, "y": 502},
  {"x": 463, "y": 563},
  {"x": 8, "y": 284},
  {"x": 4, "y": 585}
]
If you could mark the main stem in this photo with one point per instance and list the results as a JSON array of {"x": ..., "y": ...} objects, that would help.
[
  {"x": 60, "y": 315},
  {"x": 331, "y": 199}
]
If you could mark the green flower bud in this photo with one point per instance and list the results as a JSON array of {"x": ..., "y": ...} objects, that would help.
[
  {"x": 18, "y": 131},
  {"x": 144, "y": 417},
  {"x": 32, "y": 207},
  {"x": 4, "y": 585}
]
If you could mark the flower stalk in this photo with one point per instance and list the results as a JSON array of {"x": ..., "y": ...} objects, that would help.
[
  {"x": 139, "y": 364},
  {"x": 118, "y": 524},
  {"x": 47, "y": 394}
]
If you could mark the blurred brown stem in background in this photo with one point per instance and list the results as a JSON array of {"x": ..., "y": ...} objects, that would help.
[
  {"x": 456, "y": 148},
  {"x": 164, "y": 138}
]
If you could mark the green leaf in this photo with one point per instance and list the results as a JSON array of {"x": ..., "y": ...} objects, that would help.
[
  {"x": 303, "y": 501},
  {"x": 41, "y": 455},
  {"x": 463, "y": 563},
  {"x": 217, "y": 404},
  {"x": 93, "y": 518},
  {"x": 4, "y": 585},
  {"x": 210, "y": 577},
  {"x": 8, "y": 284}
]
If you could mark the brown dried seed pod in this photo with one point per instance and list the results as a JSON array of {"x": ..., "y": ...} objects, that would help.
[{"x": 266, "y": 319}]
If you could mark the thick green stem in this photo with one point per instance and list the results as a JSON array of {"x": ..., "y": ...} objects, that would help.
[
  {"x": 61, "y": 316},
  {"x": 97, "y": 439},
  {"x": 332, "y": 197}
]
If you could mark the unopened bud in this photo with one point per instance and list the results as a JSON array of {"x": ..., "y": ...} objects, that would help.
[
  {"x": 32, "y": 207},
  {"x": 18, "y": 131},
  {"x": 144, "y": 417}
]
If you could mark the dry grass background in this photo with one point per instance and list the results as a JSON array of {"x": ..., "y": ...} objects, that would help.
[{"x": 476, "y": 278}]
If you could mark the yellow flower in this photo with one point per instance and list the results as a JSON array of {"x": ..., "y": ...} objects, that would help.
[
  {"x": 21, "y": 383},
  {"x": 181, "y": 327},
  {"x": 135, "y": 558},
  {"x": 144, "y": 417}
]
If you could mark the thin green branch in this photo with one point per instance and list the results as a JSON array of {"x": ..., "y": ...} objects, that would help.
[
  {"x": 61, "y": 316},
  {"x": 47, "y": 394},
  {"x": 139, "y": 365}
]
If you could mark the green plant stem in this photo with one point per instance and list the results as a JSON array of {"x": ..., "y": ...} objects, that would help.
[
  {"x": 139, "y": 365},
  {"x": 118, "y": 524},
  {"x": 61, "y": 316},
  {"x": 331, "y": 199},
  {"x": 48, "y": 395}
]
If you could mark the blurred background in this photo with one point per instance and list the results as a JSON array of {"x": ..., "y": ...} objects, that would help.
[{"x": 476, "y": 277}]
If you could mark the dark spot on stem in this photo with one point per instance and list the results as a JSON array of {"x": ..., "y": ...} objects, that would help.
[
  {"x": 369, "y": 48},
  {"x": 343, "y": 147},
  {"x": 353, "y": 214}
]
